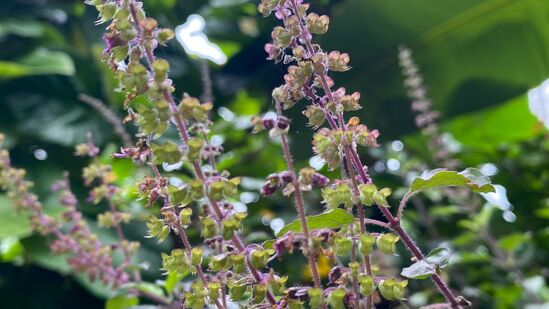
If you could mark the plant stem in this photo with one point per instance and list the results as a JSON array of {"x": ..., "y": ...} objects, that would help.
[
  {"x": 298, "y": 197},
  {"x": 359, "y": 167},
  {"x": 184, "y": 136}
]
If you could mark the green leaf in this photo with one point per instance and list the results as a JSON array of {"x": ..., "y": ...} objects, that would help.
[
  {"x": 513, "y": 241},
  {"x": 12, "y": 223},
  {"x": 23, "y": 28},
  {"x": 439, "y": 257},
  {"x": 121, "y": 302},
  {"x": 146, "y": 287},
  {"x": 39, "y": 62},
  {"x": 330, "y": 219},
  {"x": 423, "y": 269},
  {"x": 470, "y": 177}
]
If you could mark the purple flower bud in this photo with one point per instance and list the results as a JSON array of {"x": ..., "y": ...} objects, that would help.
[
  {"x": 287, "y": 176},
  {"x": 320, "y": 180},
  {"x": 268, "y": 189},
  {"x": 282, "y": 123},
  {"x": 335, "y": 274},
  {"x": 268, "y": 123}
]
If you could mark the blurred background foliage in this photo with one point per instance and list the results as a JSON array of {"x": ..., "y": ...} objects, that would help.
[{"x": 478, "y": 57}]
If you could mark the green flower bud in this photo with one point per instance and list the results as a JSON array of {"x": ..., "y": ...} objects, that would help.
[
  {"x": 208, "y": 227},
  {"x": 175, "y": 262},
  {"x": 278, "y": 284},
  {"x": 343, "y": 245},
  {"x": 295, "y": 304},
  {"x": 338, "y": 62},
  {"x": 214, "y": 288},
  {"x": 367, "y": 286},
  {"x": 236, "y": 290},
  {"x": 167, "y": 152},
  {"x": 259, "y": 258},
  {"x": 281, "y": 36},
  {"x": 238, "y": 263},
  {"x": 229, "y": 226},
  {"x": 315, "y": 115},
  {"x": 164, "y": 35},
  {"x": 160, "y": 68},
  {"x": 106, "y": 11},
  {"x": 336, "y": 298},
  {"x": 392, "y": 289},
  {"x": 157, "y": 229},
  {"x": 320, "y": 61},
  {"x": 185, "y": 216},
  {"x": 387, "y": 243},
  {"x": 366, "y": 243},
  {"x": 317, "y": 24},
  {"x": 181, "y": 197},
  {"x": 219, "y": 262},
  {"x": 196, "y": 255},
  {"x": 366, "y": 193},
  {"x": 230, "y": 187},
  {"x": 197, "y": 189},
  {"x": 315, "y": 297},
  {"x": 259, "y": 293},
  {"x": 355, "y": 267},
  {"x": 194, "y": 148},
  {"x": 335, "y": 196},
  {"x": 216, "y": 190}
]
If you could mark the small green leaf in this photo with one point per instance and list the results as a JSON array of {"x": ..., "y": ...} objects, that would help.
[
  {"x": 439, "y": 257},
  {"x": 121, "y": 302},
  {"x": 419, "y": 270},
  {"x": 146, "y": 287},
  {"x": 470, "y": 177},
  {"x": 327, "y": 220},
  {"x": 423, "y": 269}
]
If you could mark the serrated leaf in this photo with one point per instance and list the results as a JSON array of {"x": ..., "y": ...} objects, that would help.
[
  {"x": 328, "y": 220},
  {"x": 470, "y": 177},
  {"x": 423, "y": 269}
]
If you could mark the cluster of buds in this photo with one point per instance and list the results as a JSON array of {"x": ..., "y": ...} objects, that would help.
[
  {"x": 275, "y": 126},
  {"x": 308, "y": 178},
  {"x": 426, "y": 118},
  {"x": 369, "y": 194},
  {"x": 191, "y": 109}
]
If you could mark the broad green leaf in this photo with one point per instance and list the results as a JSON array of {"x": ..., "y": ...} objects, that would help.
[
  {"x": 146, "y": 287},
  {"x": 513, "y": 241},
  {"x": 470, "y": 177},
  {"x": 331, "y": 219},
  {"x": 121, "y": 302},
  {"x": 436, "y": 259},
  {"x": 23, "y": 28},
  {"x": 12, "y": 223},
  {"x": 39, "y": 62}
]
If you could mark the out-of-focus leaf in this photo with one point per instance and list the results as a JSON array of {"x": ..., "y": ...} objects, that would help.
[
  {"x": 470, "y": 177},
  {"x": 331, "y": 219},
  {"x": 146, "y": 287},
  {"x": 39, "y": 62},
  {"x": 491, "y": 127},
  {"x": 513, "y": 241},
  {"x": 244, "y": 104},
  {"x": 11, "y": 249},
  {"x": 22, "y": 28},
  {"x": 12, "y": 223},
  {"x": 121, "y": 302}
]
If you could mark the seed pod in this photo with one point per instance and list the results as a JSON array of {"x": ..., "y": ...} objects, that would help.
[
  {"x": 393, "y": 289},
  {"x": 366, "y": 243},
  {"x": 208, "y": 227},
  {"x": 367, "y": 286},
  {"x": 387, "y": 243},
  {"x": 236, "y": 290},
  {"x": 214, "y": 288},
  {"x": 317, "y": 24},
  {"x": 366, "y": 193},
  {"x": 238, "y": 263},
  {"x": 278, "y": 284},
  {"x": 336, "y": 298},
  {"x": 259, "y": 292},
  {"x": 315, "y": 297},
  {"x": 342, "y": 245},
  {"x": 219, "y": 262},
  {"x": 185, "y": 216},
  {"x": 259, "y": 258},
  {"x": 196, "y": 255}
]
